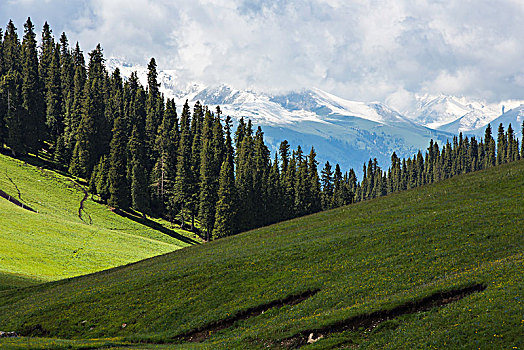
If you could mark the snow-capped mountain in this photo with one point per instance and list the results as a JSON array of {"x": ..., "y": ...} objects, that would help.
[
  {"x": 343, "y": 131},
  {"x": 514, "y": 116},
  {"x": 457, "y": 114}
]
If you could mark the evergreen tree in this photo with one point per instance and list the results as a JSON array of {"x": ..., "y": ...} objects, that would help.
[
  {"x": 501, "y": 145},
  {"x": 338, "y": 188},
  {"x": 34, "y": 127},
  {"x": 315, "y": 202},
  {"x": 227, "y": 201},
  {"x": 522, "y": 142},
  {"x": 73, "y": 115},
  {"x": 93, "y": 134},
  {"x": 489, "y": 146},
  {"x": 55, "y": 123},
  {"x": 15, "y": 115},
  {"x": 261, "y": 163},
  {"x": 11, "y": 50},
  {"x": 102, "y": 179},
  {"x": 245, "y": 176},
  {"x": 118, "y": 186},
  {"x": 208, "y": 178},
  {"x": 139, "y": 185},
  {"x": 327, "y": 186},
  {"x": 153, "y": 113},
  {"x": 3, "y": 107},
  {"x": 46, "y": 55},
  {"x": 183, "y": 191}
]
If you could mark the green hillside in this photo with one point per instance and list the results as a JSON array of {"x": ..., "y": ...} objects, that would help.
[
  {"x": 441, "y": 266},
  {"x": 56, "y": 243}
]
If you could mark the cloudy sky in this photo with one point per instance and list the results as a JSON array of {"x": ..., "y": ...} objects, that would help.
[{"x": 361, "y": 50}]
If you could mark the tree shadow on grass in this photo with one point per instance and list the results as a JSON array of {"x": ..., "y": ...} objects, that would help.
[{"x": 131, "y": 215}]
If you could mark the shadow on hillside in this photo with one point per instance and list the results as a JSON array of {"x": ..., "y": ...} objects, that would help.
[
  {"x": 42, "y": 163},
  {"x": 155, "y": 226}
]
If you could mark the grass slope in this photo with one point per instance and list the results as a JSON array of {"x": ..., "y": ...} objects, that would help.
[
  {"x": 368, "y": 257},
  {"x": 55, "y": 243}
]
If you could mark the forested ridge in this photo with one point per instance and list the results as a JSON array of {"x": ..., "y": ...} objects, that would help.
[{"x": 140, "y": 151}]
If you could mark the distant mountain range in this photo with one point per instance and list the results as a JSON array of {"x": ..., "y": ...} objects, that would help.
[{"x": 342, "y": 131}]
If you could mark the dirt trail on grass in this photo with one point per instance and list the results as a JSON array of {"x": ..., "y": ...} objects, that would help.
[
  {"x": 202, "y": 333},
  {"x": 372, "y": 320},
  {"x": 82, "y": 201}
]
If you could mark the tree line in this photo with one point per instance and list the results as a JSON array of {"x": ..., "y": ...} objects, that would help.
[{"x": 138, "y": 153}]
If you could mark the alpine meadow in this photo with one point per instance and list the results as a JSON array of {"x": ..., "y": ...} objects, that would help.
[{"x": 134, "y": 215}]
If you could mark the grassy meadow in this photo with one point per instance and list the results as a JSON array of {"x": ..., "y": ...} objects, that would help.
[
  {"x": 370, "y": 257},
  {"x": 55, "y": 242}
]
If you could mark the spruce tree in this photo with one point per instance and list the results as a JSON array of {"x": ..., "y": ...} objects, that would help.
[
  {"x": 314, "y": 193},
  {"x": 15, "y": 114},
  {"x": 226, "y": 205},
  {"x": 11, "y": 49},
  {"x": 327, "y": 186},
  {"x": 139, "y": 183},
  {"x": 261, "y": 163},
  {"x": 93, "y": 135},
  {"x": 501, "y": 145},
  {"x": 153, "y": 113},
  {"x": 489, "y": 146},
  {"x": 245, "y": 176},
  {"x": 3, "y": 107},
  {"x": 207, "y": 186},
  {"x": 118, "y": 185},
  {"x": 46, "y": 55},
  {"x": 183, "y": 191},
  {"x": 34, "y": 124},
  {"x": 74, "y": 114},
  {"x": 54, "y": 102},
  {"x": 102, "y": 179},
  {"x": 522, "y": 142}
]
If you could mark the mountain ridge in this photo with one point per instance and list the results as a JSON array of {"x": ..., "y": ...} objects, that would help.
[{"x": 343, "y": 131}]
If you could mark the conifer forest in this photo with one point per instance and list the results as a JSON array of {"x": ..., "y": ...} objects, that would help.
[{"x": 139, "y": 151}]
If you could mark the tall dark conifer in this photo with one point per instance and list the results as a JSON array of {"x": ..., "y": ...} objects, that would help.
[
  {"x": 54, "y": 101},
  {"x": 93, "y": 134},
  {"x": 34, "y": 123},
  {"x": 183, "y": 191},
  {"x": 226, "y": 207}
]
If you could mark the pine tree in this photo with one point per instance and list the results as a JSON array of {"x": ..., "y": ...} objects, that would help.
[
  {"x": 102, "y": 179},
  {"x": 274, "y": 195},
  {"x": 118, "y": 186},
  {"x": 245, "y": 176},
  {"x": 522, "y": 142},
  {"x": 3, "y": 107},
  {"x": 153, "y": 113},
  {"x": 227, "y": 201},
  {"x": 207, "y": 186},
  {"x": 139, "y": 185},
  {"x": 315, "y": 201},
  {"x": 46, "y": 55},
  {"x": 501, "y": 145},
  {"x": 261, "y": 163},
  {"x": 338, "y": 188},
  {"x": 94, "y": 133},
  {"x": 183, "y": 190},
  {"x": 489, "y": 145},
  {"x": 74, "y": 114},
  {"x": 54, "y": 122},
  {"x": 11, "y": 49},
  {"x": 34, "y": 127},
  {"x": 327, "y": 186},
  {"x": 301, "y": 185},
  {"x": 15, "y": 115}
]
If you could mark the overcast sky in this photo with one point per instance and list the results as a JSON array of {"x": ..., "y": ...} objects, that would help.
[{"x": 361, "y": 50}]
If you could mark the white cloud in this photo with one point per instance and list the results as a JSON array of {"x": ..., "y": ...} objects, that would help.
[{"x": 362, "y": 50}]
